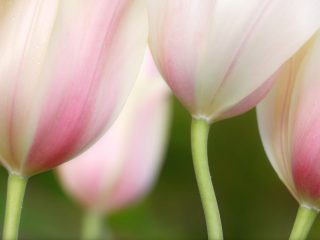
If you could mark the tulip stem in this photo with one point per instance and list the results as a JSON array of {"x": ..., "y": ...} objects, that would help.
[
  {"x": 303, "y": 223},
  {"x": 92, "y": 226},
  {"x": 199, "y": 139},
  {"x": 15, "y": 194}
]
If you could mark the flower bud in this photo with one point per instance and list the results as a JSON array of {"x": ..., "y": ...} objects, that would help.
[{"x": 220, "y": 57}]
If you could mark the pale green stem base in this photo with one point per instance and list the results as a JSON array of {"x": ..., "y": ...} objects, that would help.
[
  {"x": 92, "y": 226},
  {"x": 15, "y": 195},
  {"x": 199, "y": 139},
  {"x": 303, "y": 223}
]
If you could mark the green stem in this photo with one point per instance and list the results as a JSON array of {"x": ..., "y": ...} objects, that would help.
[
  {"x": 92, "y": 227},
  {"x": 303, "y": 223},
  {"x": 199, "y": 139},
  {"x": 15, "y": 195}
]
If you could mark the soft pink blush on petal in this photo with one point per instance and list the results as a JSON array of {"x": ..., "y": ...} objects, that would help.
[
  {"x": 263, "y": 46},
  {"x": 25, "y": 31},
  {"x": 277, "y": 114},
  {"x": 63, "y": 122},
  {"x": 69, "y": 118},
  {"x": 306, "y": 159},
  {"x": 306, "y": 128},
  {"x": 175, "y": 46},
  {"x": 214, "y": 54},
  {"x": 250, "y": 101}
]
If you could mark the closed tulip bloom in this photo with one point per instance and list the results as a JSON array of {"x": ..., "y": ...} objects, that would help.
[
  {"x": 220, "y": 59},
  {"x": 290, "y": 127},
  {"x": 66, "y": 68},
  {"x": 121, "y": 167}
]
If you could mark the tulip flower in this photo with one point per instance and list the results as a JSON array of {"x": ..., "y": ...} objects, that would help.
[
  {"x": 289, "y": 126},
  {"x": 220, "y": 59},
  {"x": 66, "y": 68},
  {"x": 121, "y": 167}
]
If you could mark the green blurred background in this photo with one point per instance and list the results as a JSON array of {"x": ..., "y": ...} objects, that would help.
[{"x": 254, "y": 204}]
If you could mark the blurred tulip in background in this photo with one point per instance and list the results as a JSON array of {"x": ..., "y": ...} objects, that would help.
[{"x": 122, "y": 166}]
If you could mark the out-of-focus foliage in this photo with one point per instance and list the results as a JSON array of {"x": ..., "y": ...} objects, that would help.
[{"x": 254, "y": 204}]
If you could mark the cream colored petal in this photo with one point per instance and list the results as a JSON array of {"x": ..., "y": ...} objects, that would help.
[
  {"x": 278, "y": 30},
  {"x": 94, "y": 60},
  {"x": 277, "y": 113},
  {"x": 305, "y": 127},
  {"x": 25, "y": 32},
  {"x": 214, "y": 54},
  {"x": 66, "y": 69}
]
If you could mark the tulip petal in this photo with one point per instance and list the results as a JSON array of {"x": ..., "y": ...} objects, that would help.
[
  {"x": 306, "y": 125},
  {"x": 25, "y": 30},
  {"x": 214, "y": 54},
  {"x": 273, "y": 125},
  {"x": 250, "y": 100},
  {"x": 279, "y": 113},
  {"x": 104, "y": 68},
  {"x": 65, "y": 74}
]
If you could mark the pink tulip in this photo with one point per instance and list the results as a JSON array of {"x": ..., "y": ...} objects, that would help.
[
  {"x": 121, "y": 167},
  {"x": 290, "y": 130},
  {"x": 290, "y": 127},
  {"x": 66, "y": 68},
  {"x": 220, "y": 57}
]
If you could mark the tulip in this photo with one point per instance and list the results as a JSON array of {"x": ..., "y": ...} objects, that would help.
[
  {"x": 289, "y": 126},
  {"x": 121, "y": 167},
  {"x": 220, "y": 59},
  {"x": 66, "y": 68}
]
